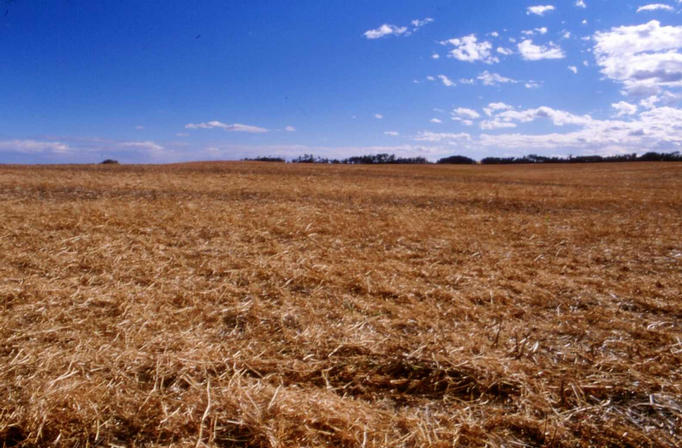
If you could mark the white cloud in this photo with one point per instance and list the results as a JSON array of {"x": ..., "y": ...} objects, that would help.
[
  {"x": 493, "y": 108},
  {"x": 504, "y": 51},
  {"x": 655, "y": 7},
  {"x": 436, "y": 120},
  {"x": 431, "y": 78},
  {"x": 148, "y": 145},
  {"x": 385, "y": 30},
  {"x": 465, "y": 112},
  {"x": 532, "y": 85},
  {"x": 464, "y": 115},
  {"x": 573, "y": 68},
  {"x": 236, "y": 127},
  {"x": 394, "y": 30},
  {"x": 656, "y": 129},
  {"x": 378, "y": 116},
  {"x": 580, "y": 4},
  {"x": 451, "y": 138},
  {"x": 542, "y": 30},
  {"x": 469, "y": 49},
  {"x": 623, "y": 108},
  {"x": 531, "y": 52},
  {"x": 666, "y": 99},
  {"x": 506, "y": 114},
  {"x": 644, "y": 58},
  {"x": 392, "y": 133},
  {"x": 435, "y": 56},
  {"x": 489, "y": 125},
  {"x": 418, "y": 23},
  {"x": 539, "y": 10},
  {"x": 468, "y": 81},
  {"x": 446, "y": 81},
  {"x": 493, "y": 79},
  {"x": 290, "y": 129},
  {"x": 33, "y": 146}
]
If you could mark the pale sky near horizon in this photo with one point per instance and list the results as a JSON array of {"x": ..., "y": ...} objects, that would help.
[{"x": 156, "y": 82}]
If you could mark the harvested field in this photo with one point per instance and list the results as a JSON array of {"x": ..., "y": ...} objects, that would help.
[{"x": 273, "y": 305}]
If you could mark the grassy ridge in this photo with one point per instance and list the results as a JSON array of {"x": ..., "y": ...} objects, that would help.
[{"x": 268, "y": 305}]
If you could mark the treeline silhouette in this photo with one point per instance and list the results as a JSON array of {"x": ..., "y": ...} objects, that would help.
[
  {"x": 532, "y": 158},
  {"x": 374, "y": 159},
  {"x": 387, "y": 159},
  {"x": 265, "y": 159}
]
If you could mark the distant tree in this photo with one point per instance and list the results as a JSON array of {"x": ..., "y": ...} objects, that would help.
[
  {"x": 109, "y": 162},
  {"x": 457, "y": 160},
  {"x": 659, "y": 157},
  {"x": 305, "y": 158},
  {"x": 264, "y": 159},
  {"x": 383, "y": 159}
]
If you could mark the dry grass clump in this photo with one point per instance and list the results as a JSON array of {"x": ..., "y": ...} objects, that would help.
[{"x": 245, "y": 304}]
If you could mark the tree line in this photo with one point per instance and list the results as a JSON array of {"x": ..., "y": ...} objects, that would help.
[{"x": 388, "y": 159}]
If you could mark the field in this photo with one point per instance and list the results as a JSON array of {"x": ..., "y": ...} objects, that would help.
[{"x": 273, "y": 305}]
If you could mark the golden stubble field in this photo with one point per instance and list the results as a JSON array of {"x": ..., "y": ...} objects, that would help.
[{"x": 272, "y": 305}]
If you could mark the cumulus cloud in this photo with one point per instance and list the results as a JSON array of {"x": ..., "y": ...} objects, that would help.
[
  {"x": 392, "y": 133},
  {"x": 504, "y": 51},
  {"x": 446, "y": 81},
  {"x": 493, "y": 108},
  {"x": 574, "y": 69},
  {"x": 33, "y": 146},
  {"x": 580, "y": 4},
  {"x": 393, "y": 30},
  {"x": 464, "y": 115},
  {"x": 469, "y": 49},
  {"x": 436, "y": 120},
  {"x": 489, "y": 125},
  {"x": 624, "y": 108},
  {"x": 531, "y": 52},
  {"x": 463, "y": 112},
  {"x": 644, "y": 58},
  {"x": 539, "y": 10},
  {"x": 418, "y": 23},
  {"x": 655, "y": 129},
  {"x": 505, "y": 116},
  {"x": 148, "y": 145},
  {"x": 385, "y": 30},
  {"x": 451, "y": 138},
  {"x": 655, "y": 7},
  {"x": 542, "y": 30},
  {"x": 236, "y": 127},
  {"x": 290, "y": 129},
  {"x": 493, "y": 79},
  {"x": 378, "y": 116}
]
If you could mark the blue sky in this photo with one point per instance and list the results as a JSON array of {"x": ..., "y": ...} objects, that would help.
[{"x": 169, "y": 81}]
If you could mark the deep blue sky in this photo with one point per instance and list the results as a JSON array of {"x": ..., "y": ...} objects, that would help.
[{"x": 162, "y": 81}]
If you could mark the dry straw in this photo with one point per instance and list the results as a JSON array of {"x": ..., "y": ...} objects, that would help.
[{"x": 272, "y": 305}]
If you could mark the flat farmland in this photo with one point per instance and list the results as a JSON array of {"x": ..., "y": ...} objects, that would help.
[{"x": 290, "y": 305}]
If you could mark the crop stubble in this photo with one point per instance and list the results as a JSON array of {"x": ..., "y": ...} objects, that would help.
[{"x": 273, "y": 305}]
